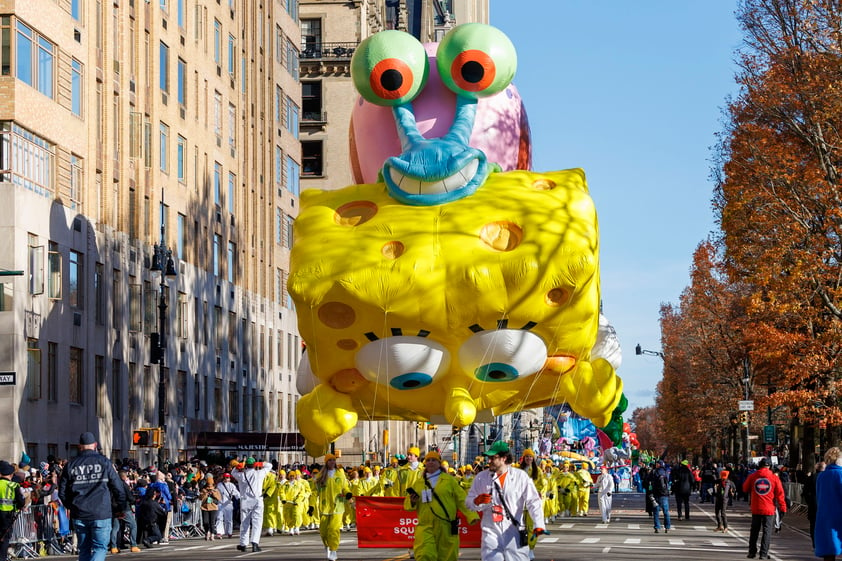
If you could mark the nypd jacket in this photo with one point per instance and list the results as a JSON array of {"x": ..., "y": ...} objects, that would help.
[
  {"x": 766, "y": 491},
  {"x": 87, "y": 484}
]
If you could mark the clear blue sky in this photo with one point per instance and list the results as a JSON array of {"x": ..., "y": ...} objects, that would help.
[{"x": 632, "y": 93}]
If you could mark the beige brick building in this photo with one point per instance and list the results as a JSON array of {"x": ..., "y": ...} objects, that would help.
[{"x": 120, "y": 121}]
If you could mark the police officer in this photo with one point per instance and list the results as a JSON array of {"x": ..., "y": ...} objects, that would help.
[
  {"x": 11, "y": 501},
  {"x": 87, "y": 485}
]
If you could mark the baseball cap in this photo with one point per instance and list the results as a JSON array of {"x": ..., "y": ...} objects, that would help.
[
  {"x": 87, "y": 438},
  {"x": 498, "y": 447}
]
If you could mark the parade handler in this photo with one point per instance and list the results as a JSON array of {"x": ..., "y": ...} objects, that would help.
[
  {"x": 436, "y": 496},
  {"x": 502, "y": 495}
]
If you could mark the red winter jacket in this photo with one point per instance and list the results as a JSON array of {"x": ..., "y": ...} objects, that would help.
[{"x": 766, "y": 491}]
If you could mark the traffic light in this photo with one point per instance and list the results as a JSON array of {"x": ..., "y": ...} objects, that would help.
[
  {"x": 148, "y": 437},
  {"x": 744, "y": 418},
  {"x": 142, "y": 437}
]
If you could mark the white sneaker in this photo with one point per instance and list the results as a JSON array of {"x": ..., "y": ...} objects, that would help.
[
  {"x": 531, "y": 554},
  {"x": 331, "y": 555}
]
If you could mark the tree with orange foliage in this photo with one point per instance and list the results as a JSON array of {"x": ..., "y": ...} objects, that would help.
[{"x": 779, "y": 203}]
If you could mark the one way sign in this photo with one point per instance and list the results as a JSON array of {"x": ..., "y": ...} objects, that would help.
[{"x": 7, "y": 378}]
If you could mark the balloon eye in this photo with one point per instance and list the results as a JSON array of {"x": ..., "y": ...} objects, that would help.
[
  {"x": 502, "y": 355},
  {"x": 390, "y": 68},
  {"x": 473, "y": 71},
  {"x": 476, "y": 60},
  {"x": 403, "y": 362},
  {"x": 390, "y": 79}
]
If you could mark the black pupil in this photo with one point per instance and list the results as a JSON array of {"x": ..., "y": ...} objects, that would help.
[
  {"x": 472, "y": 71},
  {"x": 496, "y": 374},
  {"x": 391, "y": 80},
  {"x": 411, "y": 383}
]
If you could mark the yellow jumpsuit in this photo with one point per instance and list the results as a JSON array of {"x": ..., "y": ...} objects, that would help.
[
  {"x": 569, "y": 493},
  {"x": 434, "y": 540},
  {"x": 389, "y": 480},
  {"x": 272, "y": 516},
  {"x": 585, "y": 484},
  {"x": 294, "y": 499},
  {"x": 330, "y": 496}
]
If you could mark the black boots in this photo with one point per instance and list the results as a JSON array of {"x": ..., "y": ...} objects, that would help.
[{"x": 254, "y": 547}]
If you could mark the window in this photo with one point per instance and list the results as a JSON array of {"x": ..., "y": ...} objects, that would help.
[
  {"x": 217, "y": 42},
  {"x": 164, "y": 67},
  {"x": 232, "y": 55},
  {"x": 293, "y": 173},
  {"x": 279, "y": 103},
  {"x": 292, "y": 8},
  {"x": 292, "y": 59},
  {"x": 233, "y": 403},
  {"x": 101, "y": 387},
  {"x": 76, "y": 87},
  {"x": 135, "y": 306},
  {"x": 181, "y": 155},
  {"x": 181, "y": 316},
  {"x": 76, "y": 9},
  {"x": 311, "y": 37},
  {"x": 232, "y": 185},
  {"x": 33, "y": 369},
  {"x": 311, "y": 158},
  {"x": 182, "y": 9},
  {"x": 52, "y": 372},
  {"x": 280, "y": 285},
  {"x": 7, "y": 295},
  {"x": 36, "y": 266},
  {"x": 217, "y": 117},
  {"x": 179, "y": 235},
  {"x": 76, "y": 279},
  {"x": 279, "y": 225},
  {"x": 291, "y": 116},
  {"x": 232, "y": 129},
  {"x": 26, "y": 159},
  {"x": 279, "y": 169},
  {"x": 34, "y": 56},
  {"x": 181, "y": 394},
  {"x": 46, "y": 65},
  {"x": 288, "y": 221},
  {"x": 232, "y": 261},
  {"x": 75, "y": 380},
  {"x": 117, "y": 388},
  {"x": 99, "y": 294},
  {"x": 181, "y": 91},
  {"x": 217, "y": 242},
  {"x": 75, "y": 181},
  {"x": 164, "y": 138},
  {"x": 217, "y": 184},
  {"x": 116, "y": 299},
  {"x": 54, "y": 272},
  {"x": 311, "y": 101}
]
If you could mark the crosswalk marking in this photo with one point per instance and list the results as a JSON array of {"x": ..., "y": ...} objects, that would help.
[
  {"x": 549, "y": 540},
  {"x": 632, "y": 540},
  {"x": 602, "y": 525},
  {"x": 215, "y": 547},
  {"x": 634, "y": 526},
  {"x": 568, "y": 525},
  {"x": 718, "y": 543},
  {"x": 700, "y": 528},
  {"x": 678, "y": 541},
  {"x": 590, "y": 540}
]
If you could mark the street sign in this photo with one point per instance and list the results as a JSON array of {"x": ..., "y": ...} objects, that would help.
[
  {"x": 746, "y": 405},
  {"x": 7, "y": 378},
  {"x": 769, "y": 434}
]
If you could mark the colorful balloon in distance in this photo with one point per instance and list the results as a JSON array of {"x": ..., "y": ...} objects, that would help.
[{"x": 450, "y": 291}]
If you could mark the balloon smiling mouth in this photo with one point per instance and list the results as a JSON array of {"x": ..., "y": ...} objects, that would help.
[{"x": 407, "y": 184}]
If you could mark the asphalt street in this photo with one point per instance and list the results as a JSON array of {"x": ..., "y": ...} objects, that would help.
[{"x": 629, "y": 536}]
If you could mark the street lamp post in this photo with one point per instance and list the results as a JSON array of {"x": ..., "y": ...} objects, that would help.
[{"x": 162, "y": 262}]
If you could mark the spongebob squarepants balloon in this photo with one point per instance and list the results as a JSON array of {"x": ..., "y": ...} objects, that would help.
[{"x": 448, "y": 290}]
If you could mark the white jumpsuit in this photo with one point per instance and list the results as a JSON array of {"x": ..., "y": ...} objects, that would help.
[
  {"x": 250, "y": 482},
  {"x": 604, "y": 489},
  {"x": 500, "y": 540},
  {"x": 225, "y": 521}
]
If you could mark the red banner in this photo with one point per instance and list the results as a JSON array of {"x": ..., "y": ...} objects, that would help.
[{"x": 383, "y": 522}]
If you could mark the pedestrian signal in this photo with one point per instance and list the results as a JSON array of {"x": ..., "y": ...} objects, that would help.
[
  {"x": 744, "y": 417},
  {"x": 142, "y": 437}
]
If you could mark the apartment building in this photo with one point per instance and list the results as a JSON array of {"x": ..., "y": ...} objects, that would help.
[
  {"x": 126, "y": 125},
  {"x": 330, "y": 32}
]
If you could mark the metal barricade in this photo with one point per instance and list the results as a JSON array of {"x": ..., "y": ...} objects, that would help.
[
  {"x": 187, "y": 522},
  {"x": 38, "y": 531}
]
